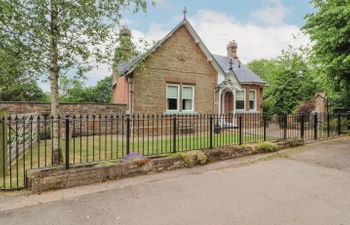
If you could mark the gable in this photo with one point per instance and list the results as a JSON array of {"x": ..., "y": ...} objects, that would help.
[
  {"x": 180, "y": 53},
  {"x": 129, "y": 67}
]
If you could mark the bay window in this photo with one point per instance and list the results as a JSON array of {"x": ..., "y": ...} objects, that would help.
[
  {"x": 252, "y": 100},
  {"x": 240, "y": 100}
]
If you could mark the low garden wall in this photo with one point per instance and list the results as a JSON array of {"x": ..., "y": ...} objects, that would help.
[
  {"x": 43, "y": 108},
  {"x": 41, "y": 180}
]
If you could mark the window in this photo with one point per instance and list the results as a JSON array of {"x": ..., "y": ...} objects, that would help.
[
  {"x": 187, "y": 98},
  {"x": 240, "y": 100},
  {"x": 252, "y": 100},
  {"x": 172, "y": 93}
]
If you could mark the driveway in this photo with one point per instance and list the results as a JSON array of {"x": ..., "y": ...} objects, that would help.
[{"x": 309, "y": 185}]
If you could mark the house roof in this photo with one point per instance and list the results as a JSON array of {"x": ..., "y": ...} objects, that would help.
[
  {"x": 126, "y": 68},
  {"x": 220, "y": 63},
  {"x": 243, "y": 73}
]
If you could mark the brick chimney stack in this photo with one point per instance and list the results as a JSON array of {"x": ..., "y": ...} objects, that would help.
[{"x": 232, "y": 50}]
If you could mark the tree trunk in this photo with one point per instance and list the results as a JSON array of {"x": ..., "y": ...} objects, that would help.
[{"x": 57, "y": 157}]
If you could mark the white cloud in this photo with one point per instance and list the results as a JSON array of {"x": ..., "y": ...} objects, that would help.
[
  {"x": 254, "y": 41},
  {"x": 273, "y": 14},
  {"x": 216, "y": 29}
]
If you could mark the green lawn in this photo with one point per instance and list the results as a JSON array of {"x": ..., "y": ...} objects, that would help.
[{"x": 108, "y": 147}]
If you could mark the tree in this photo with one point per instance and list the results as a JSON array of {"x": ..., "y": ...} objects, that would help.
[
  {"x": 16, "y": 82},
  {"x": 289, "y": 78},
  {"x": 60, "y": 35},
  {"x": 329, "y": 29},
  {"x": 74, "y": 90}
]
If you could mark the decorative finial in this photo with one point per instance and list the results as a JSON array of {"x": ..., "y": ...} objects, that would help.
[
  {"x": 184, "y": 12},
  {"x": 231, "y": 63}
]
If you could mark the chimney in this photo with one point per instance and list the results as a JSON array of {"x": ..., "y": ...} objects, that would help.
[{"x": 232, "y": 50}]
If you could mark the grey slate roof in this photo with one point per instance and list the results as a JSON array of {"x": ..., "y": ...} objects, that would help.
[{"x": 243, "y": 73}]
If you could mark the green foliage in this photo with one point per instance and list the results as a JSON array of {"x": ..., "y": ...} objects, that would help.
[
  {"x": 328, "y": 27},
  {"x": 191, "y": 158},
  {"x": 74, "y": 90},
  {"x": 44, "y": 134},
  {"x": 16, "y": 81},
  {"x": 289, "y": 78},
  {"x": 295, "y": 143},
  {"x": 333, "y": 124},
  {"x": 266, "y": 147},
  {"x": 60, "y": 37}
]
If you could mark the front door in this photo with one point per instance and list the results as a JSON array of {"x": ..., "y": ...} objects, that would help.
[{"x": 228, "y": 106}]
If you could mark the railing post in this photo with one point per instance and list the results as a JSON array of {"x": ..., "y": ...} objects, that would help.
[
  {"x": 3, "y": 146},
  {"x": 210, "y": 131},
  {"x": 127, "y": 134},
  {"x": 240, "y": 128},
  {"x": 302, "y": 125},
  {"x": 328, "y": 117},
  {"x": 265, "y": 124},
  {"x": 315, "y": 125},
  {"x": 174, "y": 133},
  {"x": 67, "y": 140},
  {"x": 339, "y": 127},
  {"x": 285, "y": 126}
]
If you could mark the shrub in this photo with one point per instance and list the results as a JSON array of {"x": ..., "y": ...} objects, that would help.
[
  {"x": 266, "y": 147},
  {"x": 295, "y": 143},
  {"x": 192, "y": 157},
  {"x": 44, "y": 135},
  {"x": 333, "y": 124}
]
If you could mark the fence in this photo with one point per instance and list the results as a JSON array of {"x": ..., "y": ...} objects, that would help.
[{"x": 27, "y": 143}]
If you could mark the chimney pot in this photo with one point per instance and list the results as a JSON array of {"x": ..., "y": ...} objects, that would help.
[{"x": 232, "y": 49}]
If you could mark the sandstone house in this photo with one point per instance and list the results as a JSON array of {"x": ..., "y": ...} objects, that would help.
[{"x": 180, "y": 76}]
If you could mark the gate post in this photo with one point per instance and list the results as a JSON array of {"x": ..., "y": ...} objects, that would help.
[
  {"x": 285, "y": 118},
  {"x": 339, "y": 127},
  {"x": 3, "y": 144},
  {"x": 265, "y": 124},
  {"x": 210, "y": 131},
  {"x": 174, "y": 133},
  {"x": 315, "y": 125},
  {"x": 127, "y": 134},
  {"x": 240, "y": 128},
  {"x": 328, "y": 117},
  {"x": 302, "y": 125},
  {"x": 67, "y": 140}
]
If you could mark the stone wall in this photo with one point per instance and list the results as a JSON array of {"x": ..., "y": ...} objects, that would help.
[
  {"x": 40, "y": 180},
  {"x": 177, "y": 61},
  {"x": 43, "y": 108}
]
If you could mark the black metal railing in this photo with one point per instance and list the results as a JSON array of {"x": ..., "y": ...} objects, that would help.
[{"x": 30, "y": 142}]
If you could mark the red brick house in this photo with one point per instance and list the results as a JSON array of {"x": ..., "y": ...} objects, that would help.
[{"x": 179, "y": 75}]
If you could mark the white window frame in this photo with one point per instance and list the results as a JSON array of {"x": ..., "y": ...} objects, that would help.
[
  {"x": 193, "y": 97},
  {"x": 255, "y": 100},
  {"x": 178, "y": 98},
  {"x": 244, "y": 101}
]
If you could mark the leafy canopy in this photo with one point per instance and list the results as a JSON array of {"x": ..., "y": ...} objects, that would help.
[
  {"x": 289, "y": 78},
  {"x": 329, "y": 29},
  {"x": 84, "y": 30}
]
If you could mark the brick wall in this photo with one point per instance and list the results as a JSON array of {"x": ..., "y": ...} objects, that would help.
[
  {"x": 70, "y": 108},
  {"x": 179, "y": 60}
]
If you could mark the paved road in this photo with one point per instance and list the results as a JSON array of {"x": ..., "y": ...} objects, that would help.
[{"x": 309, "y": 186}]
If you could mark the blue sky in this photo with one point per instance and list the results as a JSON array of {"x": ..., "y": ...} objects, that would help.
[
  {"x": 262, "y": 28},
  {"x": 166, "y": 10}
]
